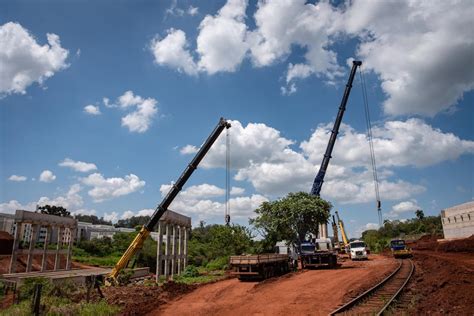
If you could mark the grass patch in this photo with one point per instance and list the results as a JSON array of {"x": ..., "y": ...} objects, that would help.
[
  {"x": 201, "y": 278},
  {"x": 57, "y": 307},
  {"x": 58, "y": 300},
  {"x": 109, "y": 261}
]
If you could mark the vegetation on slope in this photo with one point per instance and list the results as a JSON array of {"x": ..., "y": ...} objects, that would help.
[{"x": 379, "y": 239}]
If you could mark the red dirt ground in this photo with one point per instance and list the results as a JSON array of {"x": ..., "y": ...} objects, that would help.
[
  {"x": 36, "y": 265},
  {"x": 444, "y": 278},
  {"x": 306, "y": 292},
  {"x": 141, "y": 299}
]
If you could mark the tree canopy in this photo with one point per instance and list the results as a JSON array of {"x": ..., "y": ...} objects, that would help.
[
  {"x": 291, "y": 218},
  {"x": 54, "y": 210},
  {"x": 379, "y": 239},
  {"x": 133, "y": 221},
  {"x": 215, "y": 243},
  {"x": 92, "y": 219}
]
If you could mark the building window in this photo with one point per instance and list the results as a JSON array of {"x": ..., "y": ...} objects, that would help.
[{"x": 449, "y": 220}]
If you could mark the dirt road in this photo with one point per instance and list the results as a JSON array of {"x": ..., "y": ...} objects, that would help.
[{"x": 306, "y": 292}]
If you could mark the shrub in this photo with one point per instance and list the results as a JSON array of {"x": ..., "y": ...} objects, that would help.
[
  {"x": 190, "y": 272},
  {"x": 220, "y": 263},
  {"x": 27, "y": 289}
]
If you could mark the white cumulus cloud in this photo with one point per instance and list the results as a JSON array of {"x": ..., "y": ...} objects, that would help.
[
  {"x": 173, "y": 51},
  {"x": 140, "y": 119},
  {"x": 255, "y": 142},
  {"x": 92, "y": 109},
  {"x": 204, "y": 207},
  {"x": 189, "y": 149},
  {"x": 404, "y": 207},
  {"x": 396, "y": 143},
  {"x": 80, "y": 166},
  {"x": 221, "y": 43},
  {"x": 420, "y": 50},
  {"x": 237, "y": 191},
  {"x": 72, "y": 200},
  {"x": 261, "y": 156},
  {"x": 47, "y": 176},
  {"x": 23, "y": 61},
  {"x": 17, "y": 178},
  {"x": 108, "y": 188},
  {"x": 111, "y": 217},
  {"x": 13, "y": 205}
]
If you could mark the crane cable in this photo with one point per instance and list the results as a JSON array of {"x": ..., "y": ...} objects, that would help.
[
  {"x": 371, "y": 144},
  {"x": 227, "y": 178}
]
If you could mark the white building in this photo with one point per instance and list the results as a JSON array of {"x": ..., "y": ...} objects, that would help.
[{"x": 458, "y": 221}]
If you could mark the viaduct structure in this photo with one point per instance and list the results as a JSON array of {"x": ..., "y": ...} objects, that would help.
[
  {"x": 59, "y": 230},
  {"x": 172, "y": 244},
  {"x": 458, "y": 221}
]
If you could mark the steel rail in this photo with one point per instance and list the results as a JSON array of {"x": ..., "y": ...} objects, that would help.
[
  {"x": 412, "y": 268},
  {"x": 355, "y": 301}
]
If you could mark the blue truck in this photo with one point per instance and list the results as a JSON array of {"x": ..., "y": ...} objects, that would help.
[{"x": 400, "y": 249}]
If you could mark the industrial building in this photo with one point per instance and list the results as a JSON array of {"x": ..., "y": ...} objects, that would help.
[{"x": 458, "y": 221}]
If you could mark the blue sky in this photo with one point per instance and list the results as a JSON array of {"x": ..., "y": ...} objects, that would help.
[{"x": 170, "y": 69}]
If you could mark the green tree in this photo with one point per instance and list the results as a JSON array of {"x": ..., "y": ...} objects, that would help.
[
  {"x": 215, "y": 243},
  {"x": 133, "y": 221},
  {"x": 291, "y": 218},
  {"x": 92, "y": 219},
  {"x": 419, "y": 214},
  {"x": 54, "y": 210}
]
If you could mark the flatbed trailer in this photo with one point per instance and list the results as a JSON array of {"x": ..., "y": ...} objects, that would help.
[
  {"x": 319, "y": 259},
  {"x": 262, "y": 266}
]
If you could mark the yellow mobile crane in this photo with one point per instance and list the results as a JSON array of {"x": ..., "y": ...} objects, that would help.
[
  {"x": 137, "y": 243},
  {"x": 343, "y": 231},
  {"x": 337, "y": 244}
]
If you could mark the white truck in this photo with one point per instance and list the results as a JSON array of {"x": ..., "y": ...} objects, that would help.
[{"x": 358, "y": 250}]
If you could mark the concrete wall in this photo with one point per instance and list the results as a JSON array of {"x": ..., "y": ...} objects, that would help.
[{"x": 458, "y": 221}]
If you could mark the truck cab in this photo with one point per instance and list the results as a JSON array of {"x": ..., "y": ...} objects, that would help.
[
  {"x": 358, "y": 250},
  {"x": 400, "y": 249},
  {"x": 318, "y": 253}
]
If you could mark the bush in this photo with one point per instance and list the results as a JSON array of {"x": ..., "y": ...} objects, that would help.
[
  {"x": 27, "y": 289},
  {"x": 220, "y": 263},
  {"x": 190, "y": 272}
]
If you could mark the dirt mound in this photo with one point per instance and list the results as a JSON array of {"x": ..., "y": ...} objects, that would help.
[
  {"x": 174, "y": 289},
  {"x": 459, "y": 245},
  {"x": 432, "y": 243},
  {"x": 141, "y": 299},
  {"x": 442, "y": 285}
]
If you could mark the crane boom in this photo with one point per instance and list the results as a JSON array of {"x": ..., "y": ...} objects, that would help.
[
  {"x": 318, "y": 181},
  {"x": 334, "y": 229},
  {"x": 137, "y": 243},
  {"x": 343, "y": 231}
]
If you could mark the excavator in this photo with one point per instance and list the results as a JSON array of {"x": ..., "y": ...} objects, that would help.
[{"x": 137, "y": 243}]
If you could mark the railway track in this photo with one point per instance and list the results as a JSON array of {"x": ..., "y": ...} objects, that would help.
[{"x": 377, "y": 299}]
